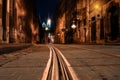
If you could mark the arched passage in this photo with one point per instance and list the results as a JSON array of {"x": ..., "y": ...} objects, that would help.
[{"x": 114, "y": 21}]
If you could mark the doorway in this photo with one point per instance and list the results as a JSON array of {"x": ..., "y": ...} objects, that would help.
[{"x": 114, "y": 21}]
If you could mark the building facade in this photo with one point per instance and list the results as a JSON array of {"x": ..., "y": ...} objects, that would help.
[
  {"x": 60, "y": 23},
  {"x": 18, "y": 21},
  {"x": 97, "y": 21},
  {"x": 64, "y": 18},
  {"x": 105, "y": 21}
]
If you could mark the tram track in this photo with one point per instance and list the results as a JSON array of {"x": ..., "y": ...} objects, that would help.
[
  {"x": 58, "y": 68},
  {"x": 92, "y": 61}
]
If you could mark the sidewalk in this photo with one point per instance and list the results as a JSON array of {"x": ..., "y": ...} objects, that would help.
[
  {"x": 7, "y": 48},
  {"x": 111, "y": 44}
]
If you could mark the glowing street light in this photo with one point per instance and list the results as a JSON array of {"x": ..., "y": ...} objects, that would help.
[
  {"x": 73, "y": 26},
  {"x": 46, "y": 28},
  {"x": 49, "y": 22},
  {"x": 97, "y": 7}
]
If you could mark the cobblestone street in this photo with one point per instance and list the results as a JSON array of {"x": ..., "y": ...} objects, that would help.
[
  {"x": 93, "y": 62},
  {"x": 27, "y": 64},
  {"x": 90, "y": 62}
]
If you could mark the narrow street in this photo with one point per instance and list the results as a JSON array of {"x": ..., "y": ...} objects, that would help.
[
  {"x": 89, "y": 62},
  {"x": 59, "y": 40}
]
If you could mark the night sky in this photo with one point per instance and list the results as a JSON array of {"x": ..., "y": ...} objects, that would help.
[{"x": 46, "y": 8}]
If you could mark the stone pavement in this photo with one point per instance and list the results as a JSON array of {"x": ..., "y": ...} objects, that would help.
[
  {"x": 90, "y": 62},
  {"x": 26, "y": 64},
  {"x": 93, "y": 62}
]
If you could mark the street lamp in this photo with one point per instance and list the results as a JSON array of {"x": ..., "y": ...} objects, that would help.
[
  {"x": 73, "y": 26},
  {"x": 99, "y": 12},
  {"x": 46, "y": 28},
  {"x": 97, "y": 7},
  {"x": 49, "y": 22}
]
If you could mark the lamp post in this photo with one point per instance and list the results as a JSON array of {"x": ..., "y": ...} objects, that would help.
[
  {"x": 73, "y": 25},
  {"x": 99, "y": 8},
  {"x": 47, "y": 28},
  {"x": 46, "y": 34},
  {"x": 74, "y": 28}
]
